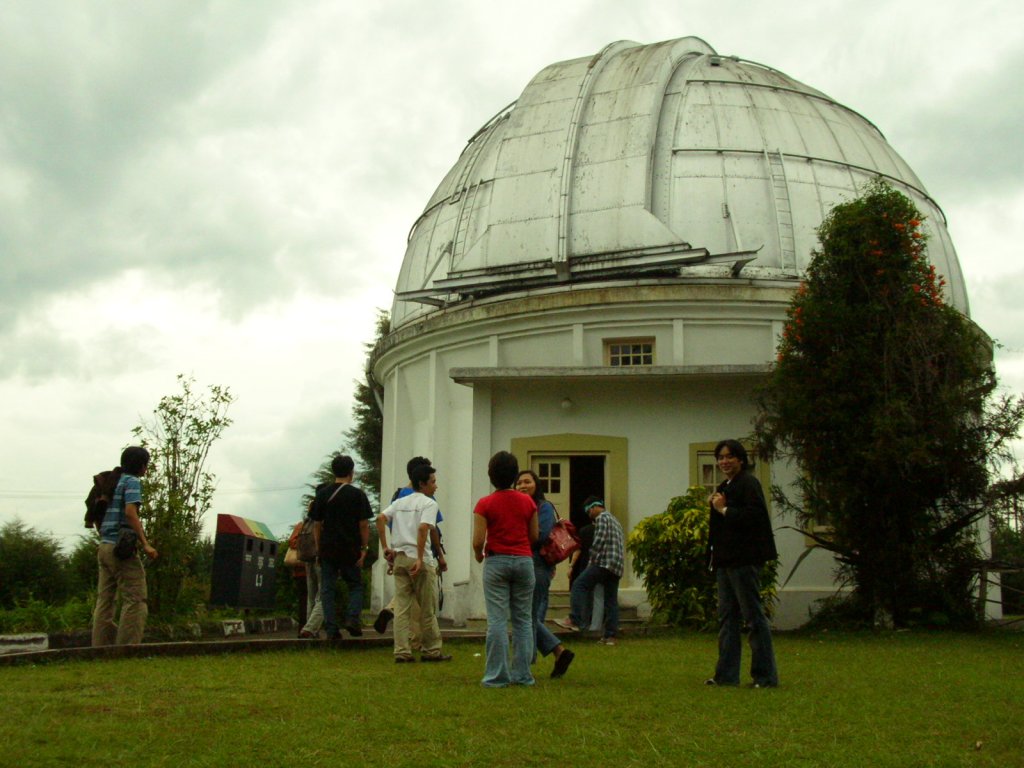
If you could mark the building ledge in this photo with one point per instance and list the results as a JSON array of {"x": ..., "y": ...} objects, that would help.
[{"x": 470, "y": 376}]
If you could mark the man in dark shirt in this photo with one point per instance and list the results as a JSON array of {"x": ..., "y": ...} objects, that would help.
[
  {"x": 740, "y": 542},
  {"x": 341, "y": 514}
]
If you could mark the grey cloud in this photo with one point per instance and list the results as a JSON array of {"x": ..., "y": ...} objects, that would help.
[
  {"x": 285, "y": 458},
  {"x": 996, "y": 307},
  {"x": 39, "y": 355},
  {"x": 88, "y": 94},
  {"x": 966, "y": 145},
  {"x": 37, "y": 352}
]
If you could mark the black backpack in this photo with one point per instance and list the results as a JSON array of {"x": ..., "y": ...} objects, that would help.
[{"x": 100, "y": 496}]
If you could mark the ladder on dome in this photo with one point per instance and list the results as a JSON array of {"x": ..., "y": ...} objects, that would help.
[
  {"x": 783, "y": 210},
  {"x": 466, "y": 193}
]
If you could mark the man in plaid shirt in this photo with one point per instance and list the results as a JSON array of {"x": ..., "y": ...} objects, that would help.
[{"x": 607, "y": 558}]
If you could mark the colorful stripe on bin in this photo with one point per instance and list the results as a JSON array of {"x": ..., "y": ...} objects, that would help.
[{"x": 244, "y": 526}]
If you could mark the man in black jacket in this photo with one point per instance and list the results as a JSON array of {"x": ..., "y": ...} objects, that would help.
[{"x": 740, "y": 542}]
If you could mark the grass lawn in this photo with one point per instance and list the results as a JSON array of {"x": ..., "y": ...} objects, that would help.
[{"x": 897, "y": 699}]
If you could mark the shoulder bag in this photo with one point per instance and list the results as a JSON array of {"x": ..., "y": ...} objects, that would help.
[{"x": 560, "y": 543}]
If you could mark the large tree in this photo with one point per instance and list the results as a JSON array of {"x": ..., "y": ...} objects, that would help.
[
  {"x": 178, "y": 488},
  {"x": 883, "y": 396}
]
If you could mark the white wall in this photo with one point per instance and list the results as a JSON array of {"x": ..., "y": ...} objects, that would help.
[{"x": 460, "y": 426}]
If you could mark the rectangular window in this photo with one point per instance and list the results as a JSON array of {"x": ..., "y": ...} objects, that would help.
[
  {"x": 550, "y": 476},
  {"x": 625, "y": 353}
]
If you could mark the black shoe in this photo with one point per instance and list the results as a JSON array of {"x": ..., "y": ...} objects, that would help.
[
  {"x": 439, "y": 657},
  {"x": 335, "y": 635},
  {"x": 404, "y": 660},
  {"x": 562, "y": 663},
  {"x": 305, "y": 635},
  {"x": 383, "y": 619},
  {"x": 354, "y": 629}
]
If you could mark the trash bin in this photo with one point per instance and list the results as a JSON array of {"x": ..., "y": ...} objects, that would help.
[{"x": 244, "y": 564}]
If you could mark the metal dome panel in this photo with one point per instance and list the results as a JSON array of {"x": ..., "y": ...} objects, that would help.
[{"x": 665, "y": 158}]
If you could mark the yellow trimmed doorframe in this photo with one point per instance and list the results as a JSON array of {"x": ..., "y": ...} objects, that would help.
[{"x": 614, "y": 449}]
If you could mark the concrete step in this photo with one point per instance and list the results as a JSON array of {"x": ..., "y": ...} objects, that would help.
[{"x": 558, "y": 608}]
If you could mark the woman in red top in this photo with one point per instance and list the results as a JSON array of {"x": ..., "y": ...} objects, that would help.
[{"x": 504, "y": 528}]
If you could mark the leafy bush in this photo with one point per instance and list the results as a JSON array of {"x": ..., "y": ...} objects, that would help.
[
  {"x": 32, "y": 566},
  {"x": 82, "y": 566},
  {"x": 33, "y": 615},
  {"x": 669, "y": 553}
]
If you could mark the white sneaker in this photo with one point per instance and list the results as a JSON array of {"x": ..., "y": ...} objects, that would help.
[
  {"x": 606, "y": 641},
  {"x": 567, "y": 624}
]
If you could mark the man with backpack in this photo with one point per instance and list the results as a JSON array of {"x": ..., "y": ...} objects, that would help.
[
  {"x": 120, "y": 568},
  {"x": 341, "y": 514}
]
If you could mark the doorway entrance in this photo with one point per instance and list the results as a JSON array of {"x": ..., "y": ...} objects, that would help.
[
  {"x": 578, "y": 466},
  {"x": 567, "y": 481}
]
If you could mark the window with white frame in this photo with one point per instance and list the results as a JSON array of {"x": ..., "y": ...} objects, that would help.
[{"x": 625, "y": 353}]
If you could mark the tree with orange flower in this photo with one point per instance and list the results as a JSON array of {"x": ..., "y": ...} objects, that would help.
[{"x": 884, "y": 397}]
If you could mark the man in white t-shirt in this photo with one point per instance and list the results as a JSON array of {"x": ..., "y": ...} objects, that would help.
[{"x": 411, "y": 519}]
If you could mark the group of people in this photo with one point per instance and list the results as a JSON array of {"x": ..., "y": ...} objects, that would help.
[{"x": 510, "y": 526}]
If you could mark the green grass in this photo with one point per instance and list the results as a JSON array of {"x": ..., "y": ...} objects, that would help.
[{"x": 898, "y": 699}]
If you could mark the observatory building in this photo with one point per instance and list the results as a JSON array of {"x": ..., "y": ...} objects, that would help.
[{"x": 601, "y": 279}]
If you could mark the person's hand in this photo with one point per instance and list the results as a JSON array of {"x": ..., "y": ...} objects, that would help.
[
  {"x": 362, "y": 557},
  {"x": 151, "y": 552},
  {"x": 718, "y": 501},
  {"x": 479, "y": 557},
  {"x": 416, "y": 568},
  {"x": 442, "y": 564}
]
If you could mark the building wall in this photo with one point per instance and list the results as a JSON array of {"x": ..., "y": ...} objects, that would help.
[{"x": 460, "y": 425}]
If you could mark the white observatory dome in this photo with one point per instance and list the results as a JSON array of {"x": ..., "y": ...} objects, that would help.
[{"x": 664, "y": 162}]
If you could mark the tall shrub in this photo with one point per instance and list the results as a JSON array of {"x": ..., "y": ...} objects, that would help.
[
  {"x": 882, "y": 397},
  {"x": 178, "y": 490}
]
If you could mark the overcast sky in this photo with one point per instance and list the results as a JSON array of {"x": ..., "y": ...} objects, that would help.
[{"x": 224, "y": 189}]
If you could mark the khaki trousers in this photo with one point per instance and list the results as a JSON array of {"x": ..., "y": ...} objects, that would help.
[
  {"x": 421, "y": 591},
  {"x": 125, "y": 579},
  {"x": 414, "y": 622}
]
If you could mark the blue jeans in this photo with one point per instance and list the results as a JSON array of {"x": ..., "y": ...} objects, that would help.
[
  {"x": 508, "y": 590},
  {"x": 353, "y": 577},
  {"x": 583, "y": 588},
  {"x": 546, "y": 640},
  {"x": 739, "y": 596}
]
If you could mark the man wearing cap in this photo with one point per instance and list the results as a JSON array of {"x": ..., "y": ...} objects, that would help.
[{"x": 607, "y": 558}]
